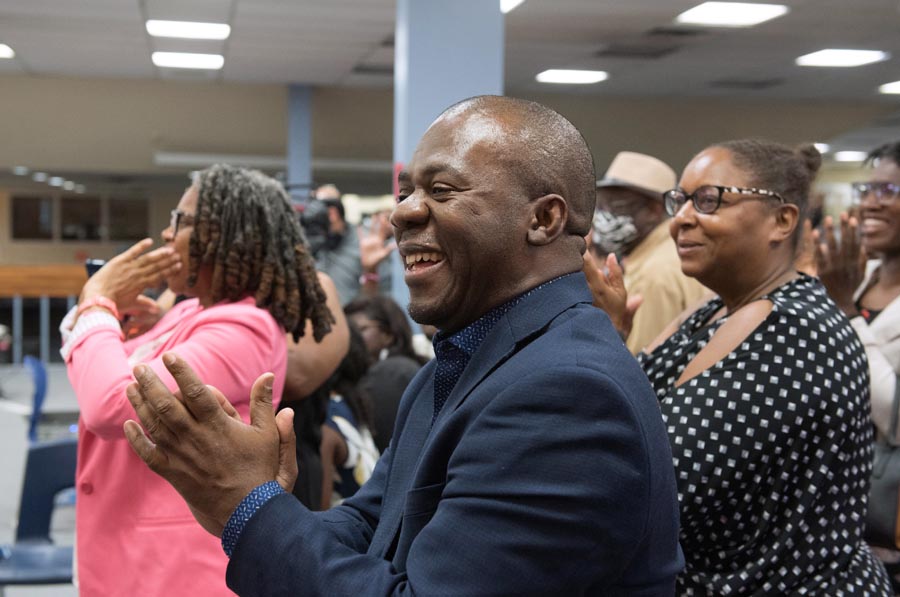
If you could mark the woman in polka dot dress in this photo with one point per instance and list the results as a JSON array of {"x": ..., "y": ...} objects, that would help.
[{"x": 764, "y": 389}]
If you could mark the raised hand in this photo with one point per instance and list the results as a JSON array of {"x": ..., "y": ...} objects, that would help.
[
  {"x": 608, "y": 289},
  {"x": 211, "y": 457},
  {"x": 128, "y": 274},
  {"x": 142, "y": 315},
  {"x": 841, "y": 264},
  {"x": 373, "y": 244}
]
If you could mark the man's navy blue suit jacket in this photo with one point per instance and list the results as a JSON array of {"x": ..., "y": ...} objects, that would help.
[{"x": 548, "y": 471}]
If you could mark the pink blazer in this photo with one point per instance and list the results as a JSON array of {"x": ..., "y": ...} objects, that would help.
[{"x": 134, "y": 534}]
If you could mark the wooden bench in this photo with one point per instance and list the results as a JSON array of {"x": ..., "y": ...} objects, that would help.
[{"x": 34, "y": 281}]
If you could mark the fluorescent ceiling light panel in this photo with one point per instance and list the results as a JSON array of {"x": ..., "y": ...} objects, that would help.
[
  {"x": 890, "y": 87},
  {"x": 6, "y": 51},
  {"x": 822, "y": 147},
  {"x": 188, "y": 29},
  {"x": 508, "y": 5},
  {"x": 572, "y": 77},
  {"x": 188, "y": 60},
  {"x": 850, "y": 156},
  {"x": 20, "y": 170},
  {"x": 39, "y": 176},
  {"x": 69, "y": 185},
  {"x": 731, "y": 14},
  {"x": 56, "y": 181},
  {"x": 842, "y": 58}
]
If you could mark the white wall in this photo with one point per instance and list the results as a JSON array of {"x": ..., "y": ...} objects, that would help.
[{"x": 116, "y": 126}]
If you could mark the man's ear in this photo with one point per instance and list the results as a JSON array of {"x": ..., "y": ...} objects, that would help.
[
  {"x": 787, "y": 218},
  {"x": 549, "y": 216}
]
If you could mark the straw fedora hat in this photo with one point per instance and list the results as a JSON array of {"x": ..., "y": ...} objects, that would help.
[{"x": 640, "y": 172}]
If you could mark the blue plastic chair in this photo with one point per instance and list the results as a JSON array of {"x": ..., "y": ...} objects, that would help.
[
  {"x": 34, "y": 559},
  {"x": 39, "y": 377}
]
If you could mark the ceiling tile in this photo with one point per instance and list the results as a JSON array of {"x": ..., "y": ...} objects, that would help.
[{"x": 207, "y": 11}]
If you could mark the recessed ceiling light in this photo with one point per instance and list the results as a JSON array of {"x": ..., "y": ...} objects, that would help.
[
  {"x": 842, "y": 58},
  {"x": 188, "y": 29},
  {"x": 20, "y": 170},
  {"x": 822, "y": 147},
  {"x": 850, "y": 156},
  {"x": 188, "y": 60},
  {"x": 6, "y": 51},
  {"x": 890, "y": 87},
  {"x": 39, "y": 176},
  {"x": 69, "y": 185},
  {"x": 731, "y": 14},
  {"x": 56, "y": 181},
  {"x": 572, "y": 77},
  {"x": 80, "y": 188},
  {"x": 508, "y": 5}
]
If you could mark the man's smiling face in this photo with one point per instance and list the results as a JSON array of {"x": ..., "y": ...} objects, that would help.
[{"x": 461, "y": 221}]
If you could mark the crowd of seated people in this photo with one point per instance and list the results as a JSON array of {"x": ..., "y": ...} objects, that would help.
[{"x": 770, "y": 381}]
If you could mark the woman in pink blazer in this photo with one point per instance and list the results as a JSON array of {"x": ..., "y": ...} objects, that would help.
[{"x": 235, "y": 248}]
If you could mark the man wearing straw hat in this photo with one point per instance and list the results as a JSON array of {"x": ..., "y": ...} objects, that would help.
[{"x": 631, "y": 222}]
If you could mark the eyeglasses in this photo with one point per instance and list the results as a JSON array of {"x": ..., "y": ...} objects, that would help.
[
  {"x": 708, "y": 198},
  {"x": 885, "y": 192},
  {"x": 178, "y": 218}
]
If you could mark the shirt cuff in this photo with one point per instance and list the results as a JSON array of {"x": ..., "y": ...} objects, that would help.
[
  {"x": 88, "y": 321},
  {"x": 245, "y": 511}
]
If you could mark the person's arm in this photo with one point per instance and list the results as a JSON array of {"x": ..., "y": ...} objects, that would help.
[
  {"x": 333, "y": 452},
  {"x": 146, "y": 313},
  {"x": 374, "y": 247},
  {"x": 310, "y": 363},
  {"x": 841, "y": 264},
  {"x": 607, "y": 286},
  {"x": 231, "y": 351},
  {"x": 572, "y": 528},
  {"x": 122, "y": 279}
]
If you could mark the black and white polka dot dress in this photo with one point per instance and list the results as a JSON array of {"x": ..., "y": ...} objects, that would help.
[{"x": 772, "y": 449}]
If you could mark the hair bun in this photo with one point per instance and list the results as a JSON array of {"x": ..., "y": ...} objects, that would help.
[{"x": 811, "y": 157}]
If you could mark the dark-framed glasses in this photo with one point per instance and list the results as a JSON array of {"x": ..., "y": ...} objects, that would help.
[
  {"x": 708, "y": 198},
  {"x": 884, "y": 192},
  {"x": 179, "y": 218}
]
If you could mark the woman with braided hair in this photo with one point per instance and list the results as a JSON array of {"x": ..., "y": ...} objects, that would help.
[{"x": 234, "y": 247}]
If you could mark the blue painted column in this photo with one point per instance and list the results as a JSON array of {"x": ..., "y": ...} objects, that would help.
[
  {"x": 444, "y": 52},
  {"x": 299, "y": 147}
]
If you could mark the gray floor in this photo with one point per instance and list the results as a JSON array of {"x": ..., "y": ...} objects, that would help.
[{"x": 15, "y": 404}]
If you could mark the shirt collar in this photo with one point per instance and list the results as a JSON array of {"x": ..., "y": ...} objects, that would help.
[{"x": 469, "y": 338}]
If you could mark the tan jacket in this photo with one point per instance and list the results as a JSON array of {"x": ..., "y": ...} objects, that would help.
[{"x": 653, "y": 270}]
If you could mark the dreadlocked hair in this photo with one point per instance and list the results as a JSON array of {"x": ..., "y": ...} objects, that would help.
[{"x": 247, "y": 230}]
